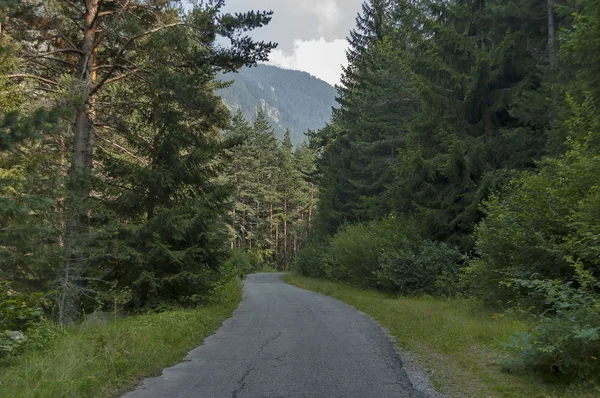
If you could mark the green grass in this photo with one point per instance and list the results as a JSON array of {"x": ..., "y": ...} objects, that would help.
[
  {"x": 107, "y": 360},
  {"x": 456, "y": 341}
]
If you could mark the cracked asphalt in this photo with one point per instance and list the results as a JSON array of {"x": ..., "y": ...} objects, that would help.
[{"x": 283, "y": 341}]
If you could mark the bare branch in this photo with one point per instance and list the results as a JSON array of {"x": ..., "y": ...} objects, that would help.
[
  {"x": 28, "y": 76},
  {"x": 122, "y": 149},
  {"x": 44, "y": 55},
  {"x": 121, "y": 76}
]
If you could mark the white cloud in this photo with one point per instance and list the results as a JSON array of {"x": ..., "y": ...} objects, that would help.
[
  {"x": 321, "y": 58},
  {"x": 327, "y": 12}
]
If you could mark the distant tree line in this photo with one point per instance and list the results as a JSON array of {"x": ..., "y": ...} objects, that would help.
[{"x": 276, "y": 192}]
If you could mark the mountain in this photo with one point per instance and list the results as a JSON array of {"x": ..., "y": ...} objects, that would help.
[{"x": 292, "y": 99}]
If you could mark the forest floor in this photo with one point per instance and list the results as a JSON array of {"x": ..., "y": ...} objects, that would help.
[
  {"x": 105, "y": 360},
  {"x": 456, "y": 342}
]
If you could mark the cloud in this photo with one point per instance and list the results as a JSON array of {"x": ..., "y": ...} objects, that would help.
[
  {"x": 321, "y": 58},
  {"x": 327, "y": 13}
]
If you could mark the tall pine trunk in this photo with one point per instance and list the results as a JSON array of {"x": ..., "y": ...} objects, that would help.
[
  {"x": 285, "y": 232},
  {"x": 551, "y": 34},
  {"x": 70, "y": 279}
]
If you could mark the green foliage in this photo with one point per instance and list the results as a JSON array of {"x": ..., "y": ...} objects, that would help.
[
  {"x": 21, "y": 320},
  {"x": 111, "y": 187},
  {"x": 543, "y": 220},
  {"x": 108, "y": 359},
  {"x": 388, "y": 255},
  {"x": 19, "y": 310},
  {"x": 566, "y": 336},
  {"x": 244, "y": 262},
  {"x": 355, "y": 254},
  {"x": 311, "y": 260},
  {"x": 429, "y": 269},
  {"x": 276, "y": 194}
]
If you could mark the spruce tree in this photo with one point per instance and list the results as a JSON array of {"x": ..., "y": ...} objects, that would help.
[{"x": 472, "y": 68}]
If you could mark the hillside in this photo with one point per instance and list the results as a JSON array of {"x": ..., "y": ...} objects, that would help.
[{"x": 292, "y": 99}]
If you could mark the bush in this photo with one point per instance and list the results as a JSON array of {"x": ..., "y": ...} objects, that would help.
[
  {"x": 566, "y": 338},
  {"x": 20, "y": 313},
  {"x": 356, "y": 251},
  {"x": 542, "y": 219},
  {"x": 311, "y": 260},
  {"x": 244, "y": 262},
  {"x": 431, "y": 269},
  {"x": 387, "y": 255}
]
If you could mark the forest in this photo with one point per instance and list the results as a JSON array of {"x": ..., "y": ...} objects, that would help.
[
  {"x": 463, "y": 160},
  {"x": 124, "y": 185}
]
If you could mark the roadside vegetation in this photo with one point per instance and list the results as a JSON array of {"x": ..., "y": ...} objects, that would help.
[
  {"x": 456, "y": 341},
  {"x": 107, "y": 358},
  {"x": 459, "y": 178},
  {"x": 117, "y": 201}
]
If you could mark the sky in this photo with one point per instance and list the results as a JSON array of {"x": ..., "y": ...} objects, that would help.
[{"x": 311, "y": 33}]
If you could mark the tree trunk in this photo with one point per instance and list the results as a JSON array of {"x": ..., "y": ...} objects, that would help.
[
  {"x": 551, "y": 34},
  {"x": 285, "y": 232},
  {"x": 311, "y": 205},
  {"x": 70, "y": 279},
  {"x": 84, "y": 123}
]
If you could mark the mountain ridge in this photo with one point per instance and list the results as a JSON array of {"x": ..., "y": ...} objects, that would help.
[{"x": 292, "y": 99}]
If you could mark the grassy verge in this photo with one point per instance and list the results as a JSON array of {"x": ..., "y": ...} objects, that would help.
[
  {"x": 455, "y": 340},
  {"x": 106, "y": 360}
]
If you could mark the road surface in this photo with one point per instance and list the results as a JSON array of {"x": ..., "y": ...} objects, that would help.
[{"x": 283, "y": 341}]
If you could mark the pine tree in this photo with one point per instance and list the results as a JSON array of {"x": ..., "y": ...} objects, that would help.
[
  {"x": 289, "y": 184},
  {"x": 342, "y": 164},
  {"x": 471, "y": 68},
  {"x": 146, "y": 150}
]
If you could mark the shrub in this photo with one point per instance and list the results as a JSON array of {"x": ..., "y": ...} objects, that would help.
[
  {"x": 311, "y": 260},
  {"x": 19, "y": 313},
  {"x": 430, "y": 269},
  {"x": 354, "y": 254},
  {"x": 566, "y": 338},
  {"x": 542, "y": 219},
  {"x": 244, "y": 262},
  {"x": 357, "y": 251}
]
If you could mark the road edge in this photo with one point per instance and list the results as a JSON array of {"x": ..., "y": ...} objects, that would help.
[{"x": 417, "y": 376}]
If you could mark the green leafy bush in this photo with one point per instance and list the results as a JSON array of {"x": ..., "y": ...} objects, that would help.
[
  {"x": 356, "y": 251},
  {"x": 19, "y": 314},
  {"x": 244, "y": 262},
  {"x": 311, "y": 260},
  {"x": 354, "y": 254},
  {"x": 428, "y": 269},
  {"x": 543, "y": 219},
  {"x": 387, "y": 255},
  {"x": 566, "y": 338}
]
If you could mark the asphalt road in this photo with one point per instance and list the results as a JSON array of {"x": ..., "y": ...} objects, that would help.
[{"x": 287, "y": 342}]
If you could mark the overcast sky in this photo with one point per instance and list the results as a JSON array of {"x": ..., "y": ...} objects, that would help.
[{"x": 311, "y": 33}]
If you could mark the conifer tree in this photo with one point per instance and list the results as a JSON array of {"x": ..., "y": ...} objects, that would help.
[
  {"x": 472, "y": 70},
  {"x": 139, "y": 77}
]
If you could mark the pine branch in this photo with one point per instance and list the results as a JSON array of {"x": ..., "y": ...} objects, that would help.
[
  {"x": 74, "y": 6},
  {"x": 122, "y": 149},
  {"x": 28, "y": 76},
  {"x": 124, "y": 48}
]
